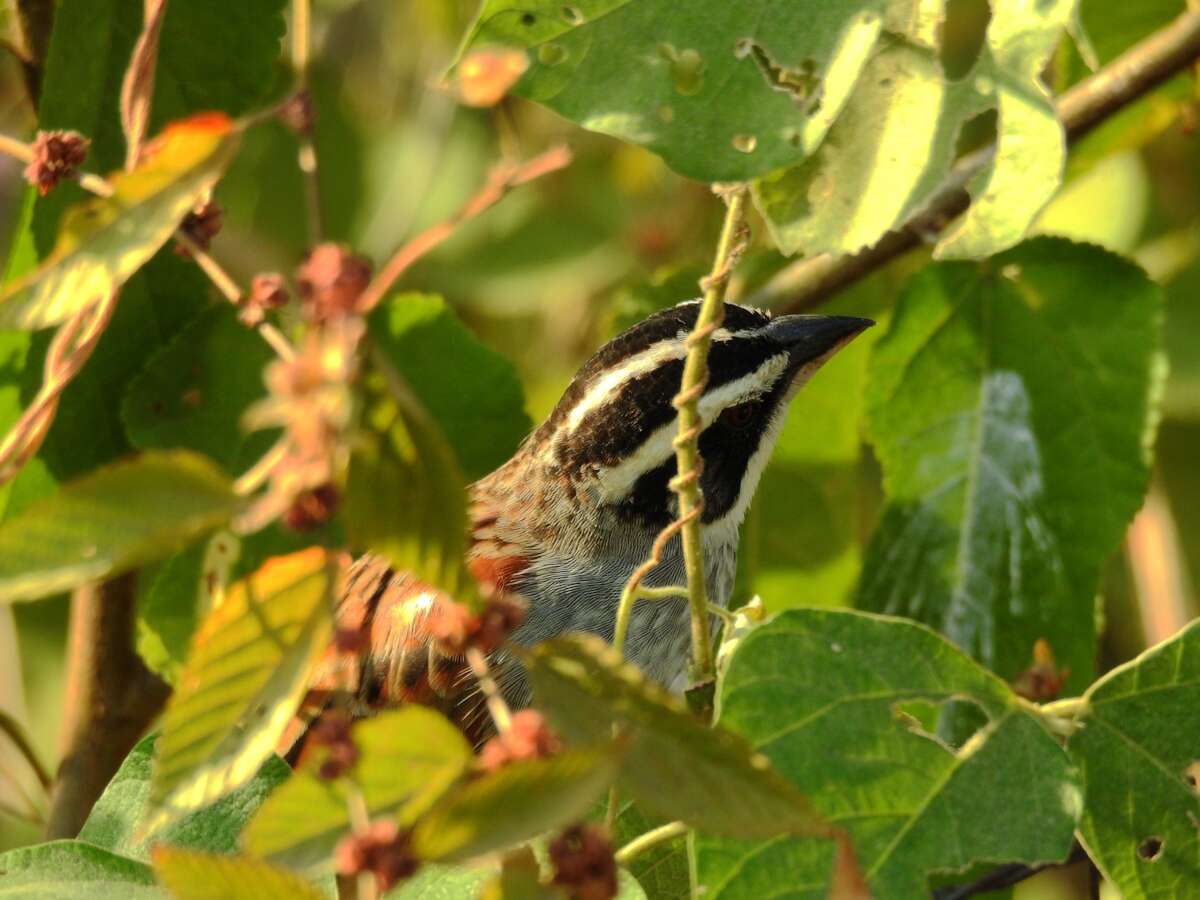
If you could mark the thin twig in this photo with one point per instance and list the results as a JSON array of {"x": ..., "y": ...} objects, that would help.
[
  {"x": 497, "y": 708},
  {"x": 307, "y": 154},
  {"x": 20, "y": 739},
  {"x": 502, "y": 180},
  {"x": 808, "y": 283},
  {"x": 652, "y": 838}
]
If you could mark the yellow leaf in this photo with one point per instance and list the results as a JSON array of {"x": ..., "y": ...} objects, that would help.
[
  {"x": 248, "y": 667},
  {"x": 104, "y": 240}
]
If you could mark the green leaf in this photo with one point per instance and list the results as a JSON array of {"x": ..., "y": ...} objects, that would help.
[
  {"x": 1011, "y": 408},
  {"x": 843, "y": 110},
  {"x": 687, "y": 87},
  {"x": 515, "y": 804},
  {"x": 674, "y": 766},
  {"x": 73, "y": 870},
  {"x": 409, "y": 758},
  {"x": 662, "y": 870},
  {"x": 405, "y": 496},
  {"x": 442, "y": 882},
  {"x": 801, "y": 544},
  {"x": 190, "y": 875},
  {"x": 111, "y": 521},
  {"x": 193, "y": 391},
  {"x": 829, "y": 697},
  {"x": 103, "y": 241},
  {"x": 114, "y": 821},
  {"x": 891, "y": 148},
  {"x": 1137, "y": 749},
  {"x": 519, "y": 879},
  {"x": 248, "y": 668},
  {"x": 481, "y": 406}
]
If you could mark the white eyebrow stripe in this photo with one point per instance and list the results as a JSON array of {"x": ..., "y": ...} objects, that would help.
[
  {"x": 639, "y": 364},
  {"x": 608, "y": 385},
  {"x": 616, "y": 482}
]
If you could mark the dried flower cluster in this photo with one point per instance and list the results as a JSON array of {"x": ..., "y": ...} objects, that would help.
[
  {"x": 332, "y": 734},
  {"x": 384, "y": 849},
  {"x": 528, "y": 736},
  {"x": 56, "y": 155},
  {"x": 583, "y": 863},
  {"x": 1043, "y": 681}
]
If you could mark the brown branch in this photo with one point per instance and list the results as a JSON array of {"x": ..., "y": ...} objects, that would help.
[
  {"x": 111, "y": 699},
  {"x": 811, "y": 282},
  {"x": 16, "y": 733},
  {"x": 1006, "y": 876},
  {"x": 503, "y": 179}
]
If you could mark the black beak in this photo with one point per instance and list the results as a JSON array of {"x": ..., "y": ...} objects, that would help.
[{"x": 815, "y": 338}]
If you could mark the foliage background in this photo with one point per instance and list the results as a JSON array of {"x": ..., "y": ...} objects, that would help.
[{"x": 560, "y": 266}]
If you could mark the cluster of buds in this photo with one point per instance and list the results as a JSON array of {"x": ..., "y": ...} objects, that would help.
[
  {"x": 332, "y": 735},
  {"x": 330, "y": 280},
  {"x": 56, "y": 155},
  {"x": 383, "y": 849},
  {"x": 583, "y": 863},
  {"x": 310, "y": 397},
  {"x": 455, "y": 629},
  {"x": 528, "y": 736},
  {"x": 297, "y": 113}
]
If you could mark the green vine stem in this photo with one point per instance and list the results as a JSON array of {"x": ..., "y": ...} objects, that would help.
[
  {"x": 652, "y": 838},
  {"x": 688, "y": 463}
]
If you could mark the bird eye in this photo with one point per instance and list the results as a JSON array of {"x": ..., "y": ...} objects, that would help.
[{"x": 739, "y": 416}]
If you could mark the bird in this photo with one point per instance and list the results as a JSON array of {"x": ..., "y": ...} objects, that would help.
[{"x": 565, "y": 521}]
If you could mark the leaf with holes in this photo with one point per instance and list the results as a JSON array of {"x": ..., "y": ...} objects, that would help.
[
  {"x": 835, "y": 699},
  {"x": 515, "y": 803},
  {"x": 248, "y": 667},
  {"x": 111, "y": 521},
  {"x": 1011, "y": 408},
  {"x": 408, "y": 759},
  {"x": 104, "y": 240},
  {"x": 725, "y": 94},
  {"x": 191, "y": 875},
  {"x": 1138, "y": 748},
  {"x": 405, "y": 496},
  {"x": 674, "y": 766},
  {"x": 73, "y": 870},
  {"x": 849, "y": 113}
]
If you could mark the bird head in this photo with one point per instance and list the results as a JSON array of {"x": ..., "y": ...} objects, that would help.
[{"x": 608, "y": 442}]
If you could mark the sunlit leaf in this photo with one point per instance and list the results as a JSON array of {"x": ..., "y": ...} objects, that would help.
[
  {"x": 191, "y": 875},
  {"x": 105, "y": 240},
  {"x": 115, "y": 821},
  {"x": 408, "y": 759},
  {"x": 1011, "y": 407},
  {"x": 249, "y": 665},
  {"x": 112, "y": 520},
  {"x": 519, "y": 879},
  {"x": 832, "y": 698},
  {"x": 73, "y": 870},
  {"x": 515, "y": 804},
  {"x": 844, "y": 109},
  {"x": 673, "y": 765},
  {"x": 1139, "y": 751}
]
